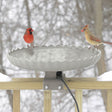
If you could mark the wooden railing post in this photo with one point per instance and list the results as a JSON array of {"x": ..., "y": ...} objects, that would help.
[
  {"x": 16, "y": 100},
  {"x": 109, "y": 100},
  {"x": 47, "y": 100},
  {"x": 78, "y": 96}
]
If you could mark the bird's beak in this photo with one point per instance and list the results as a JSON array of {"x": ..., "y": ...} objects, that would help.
[
  {"x": 82, "y": 30},
  {"x": 32, "y": 30}
]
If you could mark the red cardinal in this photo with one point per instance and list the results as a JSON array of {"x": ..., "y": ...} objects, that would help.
[{"x": 28, "y": 36}]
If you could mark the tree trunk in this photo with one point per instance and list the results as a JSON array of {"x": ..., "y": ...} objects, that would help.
[
  {"x": 28, "y": 13},
  {"x": 98, "y": 29}
]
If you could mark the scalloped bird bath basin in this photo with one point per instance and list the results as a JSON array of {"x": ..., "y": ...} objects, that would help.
[{"x": 54, "y": 58}]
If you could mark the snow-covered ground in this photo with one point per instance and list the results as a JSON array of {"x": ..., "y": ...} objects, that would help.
[
  {"x": 107, "y": 76},
  {"x": 4, "y": 78}
]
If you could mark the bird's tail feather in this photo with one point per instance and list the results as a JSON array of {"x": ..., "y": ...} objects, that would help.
[{"x": 105, "y": 42}]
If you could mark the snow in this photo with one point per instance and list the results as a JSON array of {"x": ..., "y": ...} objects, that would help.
[
  {"x": 4, "y": 78},
  {"x": 107, "y": 76}
]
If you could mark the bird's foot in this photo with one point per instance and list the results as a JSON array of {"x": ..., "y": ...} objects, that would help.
[
  {"x": 28, "y": 46},
  {"x": 97, "y": 47}
]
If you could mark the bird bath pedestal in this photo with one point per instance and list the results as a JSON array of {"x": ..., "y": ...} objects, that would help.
[{"x": 52, "y": 59}]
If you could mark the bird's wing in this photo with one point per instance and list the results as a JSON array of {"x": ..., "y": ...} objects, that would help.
[
  {"x": 25, "y": 34},
  {"x": 94, "y": 38}
]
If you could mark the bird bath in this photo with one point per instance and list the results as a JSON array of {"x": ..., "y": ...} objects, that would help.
[{"x": 52, "y": 59}]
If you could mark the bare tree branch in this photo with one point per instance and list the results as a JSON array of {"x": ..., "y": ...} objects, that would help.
[{"x": 28, "y": 12}]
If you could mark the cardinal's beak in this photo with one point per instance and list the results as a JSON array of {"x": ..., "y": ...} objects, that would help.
[
  {"x": 82, "y": 30},
  {"x": 32, "y": 30}
]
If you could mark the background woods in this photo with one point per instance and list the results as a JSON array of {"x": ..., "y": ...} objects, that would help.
[{"x": 55, "y": 22}]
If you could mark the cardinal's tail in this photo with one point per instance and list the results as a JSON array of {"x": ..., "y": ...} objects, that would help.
[{"x": 105, "y": 42}]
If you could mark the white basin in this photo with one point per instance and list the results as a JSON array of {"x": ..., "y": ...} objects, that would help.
[{"x": 51, "y": 58}]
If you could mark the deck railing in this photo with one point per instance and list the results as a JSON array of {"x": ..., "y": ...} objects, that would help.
[{"x": 75, "y": 83}]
